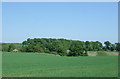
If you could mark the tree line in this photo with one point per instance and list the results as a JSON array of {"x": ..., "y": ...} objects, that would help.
[{"x": 61, "y": 47}]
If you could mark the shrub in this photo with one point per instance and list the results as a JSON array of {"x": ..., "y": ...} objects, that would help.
[
  {"x": 85, "y": 54},
  {"x": 62, "y": 54}
]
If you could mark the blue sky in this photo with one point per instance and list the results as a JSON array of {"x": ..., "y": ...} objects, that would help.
[{"x": 70, "y": 20}]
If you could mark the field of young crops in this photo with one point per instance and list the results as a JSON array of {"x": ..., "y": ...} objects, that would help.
[{"x": 46, "y": 65}]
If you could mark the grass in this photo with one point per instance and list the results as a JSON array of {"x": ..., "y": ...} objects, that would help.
[{"x": 45, "y": 65}]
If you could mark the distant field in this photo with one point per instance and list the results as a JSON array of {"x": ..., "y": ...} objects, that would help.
[
  {"x": 109, "y": 53},
  {"x": 45, "y": 65}
]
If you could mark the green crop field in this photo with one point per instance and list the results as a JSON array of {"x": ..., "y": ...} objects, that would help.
[{"x": 46, "y": 65}]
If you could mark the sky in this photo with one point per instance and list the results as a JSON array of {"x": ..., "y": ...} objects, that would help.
[{"x": 85, "y": 21}]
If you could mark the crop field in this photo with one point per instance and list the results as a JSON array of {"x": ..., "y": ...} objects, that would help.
[{"x": 46, "y": 65}]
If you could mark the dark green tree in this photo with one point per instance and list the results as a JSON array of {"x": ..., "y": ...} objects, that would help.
[
  {"x": 117, "y": 46},
  {"x": 11, "y": 47},
  {"x": 107, "y": 45}
]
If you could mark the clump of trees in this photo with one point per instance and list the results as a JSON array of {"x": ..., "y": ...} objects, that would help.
[
  {"x": 61, "y": 47},
  {"x": 9, "y": 47}
]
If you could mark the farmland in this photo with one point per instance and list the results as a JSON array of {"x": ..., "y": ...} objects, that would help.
[{"x": 48, "y": 65}]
